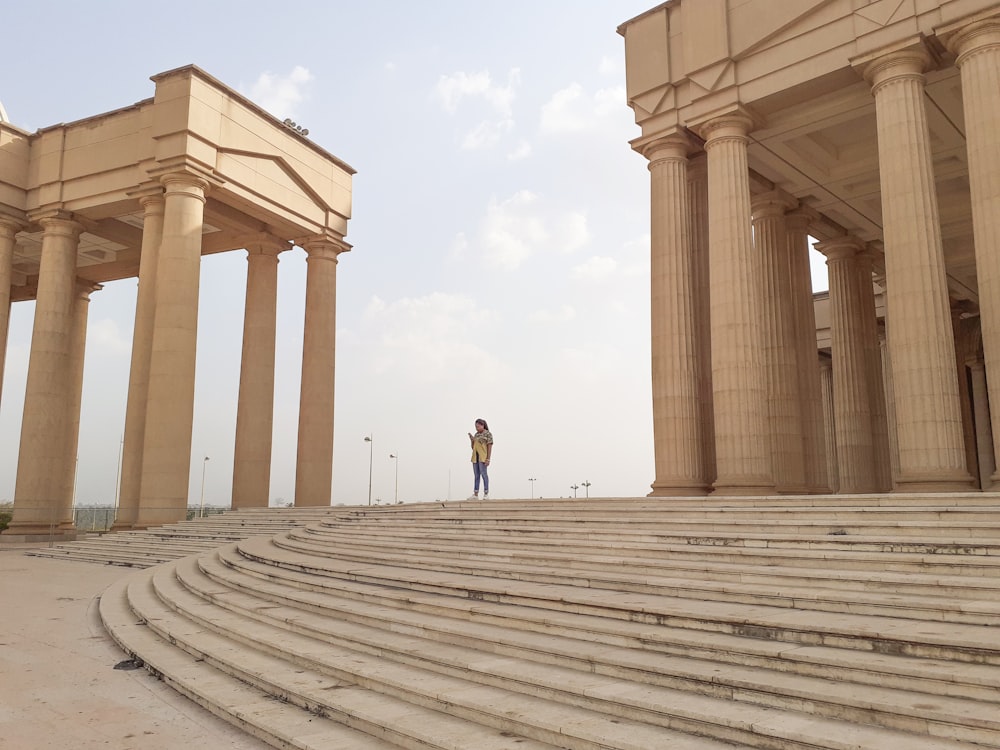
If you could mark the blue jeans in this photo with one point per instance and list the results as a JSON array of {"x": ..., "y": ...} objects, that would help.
[{"x": 479, "y": 470}]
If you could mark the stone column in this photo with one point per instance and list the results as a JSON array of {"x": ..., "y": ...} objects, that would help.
[
  {"x": 968, "y": 341},
  {"x": 780, "y": 364},
  {"x": 8, "y": 232},
  {"x": 739, "y": 394},
  {"x": 314, "y": 460},
  {"x": 77, "y": 352},
  {"x": 984, "y": 434},
  {"x": 978, "y": 50},
  {"x": 255, "y": 409},
  {"x": 166, "y": 451},
  {"x": 890, "y": 403},
  {"x": 851, "y": 395},
  {"x": 701, "y": 289},
  {"x": 921, "y": 348},
  {"x": 829, "y": 424},
  {"x": 873, "y": 369},
  {"x": 41, "y": 462},
  {"x": 142, "y": 349},
  {"x": 676, "y": 425},
  {"x": 804, "y": 315}
]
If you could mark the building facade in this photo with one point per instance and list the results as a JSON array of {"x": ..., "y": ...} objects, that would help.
[
  {"x": 872, "y": 127},
  {"x": 146, "y": 191}
]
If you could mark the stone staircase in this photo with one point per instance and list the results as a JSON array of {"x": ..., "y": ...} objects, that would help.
[
  {"x": 142, "y": 549},
  {"x": 787, "y": 623}
]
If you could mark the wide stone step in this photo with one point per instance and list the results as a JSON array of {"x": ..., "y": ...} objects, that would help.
[
  {"x": 929, "y": 540},
  {"x": 805, "y": 596},
  {"x": 276, "y": 722},
  {"x": 555, "y": 661},
  {"x": 586, "y": 705},
  {"x": 950, "y": 563},
  {"x": 402, "y": 605},
  {"x": 948, "y": 640},
  {"x": 433, "y": 709},
  {"x": 485, "y": 548}
]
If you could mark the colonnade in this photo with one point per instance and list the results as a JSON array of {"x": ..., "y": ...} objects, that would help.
[
  {"x": 156, "y": 454},
  {"x": 759, "y": 426}
]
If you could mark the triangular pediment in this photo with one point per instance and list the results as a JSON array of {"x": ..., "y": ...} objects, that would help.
[
  {"x": 269, "y": 176},
  {"x": 763, "y": 23}
]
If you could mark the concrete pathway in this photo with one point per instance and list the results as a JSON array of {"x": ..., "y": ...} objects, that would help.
[{"x": 58, "y": 685}]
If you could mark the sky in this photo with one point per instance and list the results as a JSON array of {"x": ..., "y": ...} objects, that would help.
[{"x": 500, "y": 262}]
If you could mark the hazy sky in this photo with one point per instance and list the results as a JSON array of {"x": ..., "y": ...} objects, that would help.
[{"x": 501, "y": 237}]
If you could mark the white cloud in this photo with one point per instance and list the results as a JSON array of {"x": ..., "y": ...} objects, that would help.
[
  {"x": 452, "y": 89},
  {"x": 573, "y": 110},
  {"x": 564, "y": 314},
  {"x": 609, "y": 66},
  {"x": 515, "y": 229},
  {"x": 459, "y": 246},
  {"x": 104, "y": 334},
  {"x": 521, "y": 151},
  {"x": 279, "y": 94},
  {"x": 431, "y": 337},
  {"x": 486, "y": 135},
  {"x": 595, "y": 268}
]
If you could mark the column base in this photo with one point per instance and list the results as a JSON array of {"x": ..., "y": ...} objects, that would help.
[
  {"x": 33, "y": 536},
  {"x": 761, "y": 486},
  {"x": 955, "y": 482},
  {"x": 679, "y": 489}
]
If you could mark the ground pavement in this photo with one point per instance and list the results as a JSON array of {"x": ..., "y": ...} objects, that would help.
[{"x": 58, "y": 685}]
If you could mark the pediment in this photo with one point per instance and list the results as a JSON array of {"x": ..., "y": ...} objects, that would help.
[
  {"x": 273, "y": 178},
  {"x": 763, "y": 23}
]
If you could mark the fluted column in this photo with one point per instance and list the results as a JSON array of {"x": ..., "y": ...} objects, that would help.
[
  {"x": 314, "y": 460},
  {"x": 804, "y": 317},
  {"x": 984, "y": 435},
  {"x": 851, "y": 395},
  {"x": 142, "y": 349},
  {"x": 978, "y": 50},
  {"x": 743, "y": 455},
  {"x": 780, "y": 365},
  {"x": 697, "y": 173},
  {"x": 873, "y": 370},
  {"x": 829, "y": 424},
  {"x": 676, "y": 426},
  {"x": 166, "y": 451},
  {"x": 41, "y": 462},
  {"x": 8, "y": 233},
  {"x": 921, "y": 348},
  {"x": 77, "y": 352},
  {"x": 255, "y": 409}
]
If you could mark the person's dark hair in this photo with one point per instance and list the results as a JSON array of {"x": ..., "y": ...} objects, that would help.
[{"x": 483, "y": 423}]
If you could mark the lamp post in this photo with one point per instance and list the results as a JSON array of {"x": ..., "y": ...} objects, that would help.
[
  {"x": 395, "y": 492},
  {"x": 532, "y": 480},
  {"x": 371, "y": 449},
  {"x": 586, "y": 486},
  {"x": 574, "y": 487},
  {"x": 201, "y": 507}
]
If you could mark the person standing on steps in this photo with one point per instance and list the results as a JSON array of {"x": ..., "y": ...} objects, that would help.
[{"x": 482, "y": 449}]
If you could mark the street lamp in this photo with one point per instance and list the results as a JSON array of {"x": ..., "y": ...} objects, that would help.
[
  {"x": 201, "y": 507},
  {"x": 574, "y": 487},
  {"x": 532, "y": 480},
  {"x": 395, "y": 492},
  {"x": 586, "y": 486},
  {"x": 371, "y": 449}
]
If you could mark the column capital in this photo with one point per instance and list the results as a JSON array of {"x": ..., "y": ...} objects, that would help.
[
  {"x": 153, "y": 202},
  {"x": 54, "y": 221},
  {"x": 85, "y": 287},
  {"x": 185, "y": 182},
  {"x": 9, "y": 226},
  {"x": 838, "y": 248},
  {"x": 969, "y": 38},
  {"x": 674, "y": 146},
  {"x": 910, "y": 62},
  {"x": 323, "y": 247},
  {"x": 801, "y": 219},
  {"x": 264, "y": 244},
  {"x": 772, "y": 203},
  {"x": 734, "y": 124}
]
